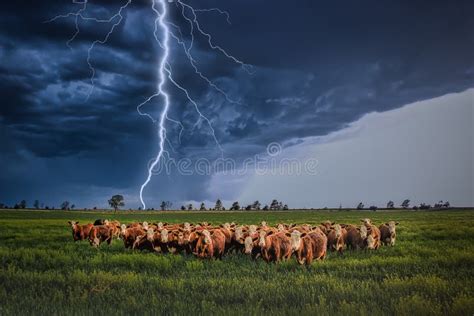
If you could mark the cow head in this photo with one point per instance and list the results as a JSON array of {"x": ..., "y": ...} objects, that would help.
[
  {"x": 206, "y": 237},
  {"x": 252, "y": 229},
  {"x": 363, "y": 231},
  {"x": 370, "y": 240},
  {"x": 281, "y": 227},
  {"x": 366, "y": 221},
  {"x": 391, "y": 227},
  {"x": 261, "y": 239},
  {"x": 263, "y": 224},
  {"x": 337, "y": 228},
  {"x": 145, "y": 225},
  {"x": 181, "y": 237},
  {"x": 295, "y": 239},
  {"x": 164, "y": 235},
  {"x": 238, "y": 234},
  {"x": 150, "y": 234},
  {"x": 249, "y": 243},
  {"x": 123, "y": 230},
  {"x": 76, "y": 230},
  {"x": 187, "y": 226}
]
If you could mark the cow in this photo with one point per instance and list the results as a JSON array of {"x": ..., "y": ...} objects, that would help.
[
  {"x": 275, "y": 247},
  {"x": 388, "y": 233},
  {"x": 129, "y": 234},
  {"x": 80, "y": 232},
  {"x": 309, "y": 246},
  {"x": 356, "y": 237},
  {"x": 336, "y": 237},
  {"x": 100, "y": 234},
  {"x": 115, "y": 226},
  {"x": 373, "y": 237},
  {"x": 210, "y": 244},
  {"x": 252, "y": 245}
]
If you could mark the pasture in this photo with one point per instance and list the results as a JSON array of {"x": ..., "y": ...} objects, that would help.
[{"x": 430, "y": 271}]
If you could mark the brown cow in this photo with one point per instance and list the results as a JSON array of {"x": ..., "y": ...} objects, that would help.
[
  {"x": 80, "y": 232},
  {"x": 100, "y": 234},
  {"x": 309, "y": 246},
  {"x": 336, "y": 238},
  {"x": 115, "y": 226},
  {"x": 356, "y": 237},
  {"x": 373, "y": 237},
  {"x": 210, "y": 244},
  {"x": 388, "y": 233},
  {"x": 275, "y": 246},
  {"x": 129, "y": 235}
]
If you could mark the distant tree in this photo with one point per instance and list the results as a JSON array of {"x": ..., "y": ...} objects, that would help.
[
  {"x": 285, "y": 207},
  {"x": 73, "y": 206},
  {"x": 42, "y": 205},
  {"x": 163, "y": 205},
  {"x": 424, "y": 206},
  {"x": 373, "y": 208},
  {"x": 265, "y": 208},
  {"x": 202, "y": 207},
  {"x": 95, "y": 208},
  {"x": 116, "y": 202},
  {"x": 446, "y": 204},
  {"x": 235, "y": 206},
  {"x": 248, "y": 207},
  {"x": 223, "y": 208},
  {"x": 190, "y": 207},
  {"x": 36, "y": 204},
  {"x": 390, "y": 204},
  {"x": 2, "y": 205},
  {"x": 360, "y": 206},
  {"x": 65, "y": 205},
  {"x": 405, "y": 203},
  {"x": 46, "y": 207},
  {"x": 340, "y": 206},
  {"x": 274, "y": 205},
  {"x": 256, "y": 205},
  {"x": 23, "y": 204},
  {"x": 218, "y": 206},
  {"x": 183, "y": 208}
]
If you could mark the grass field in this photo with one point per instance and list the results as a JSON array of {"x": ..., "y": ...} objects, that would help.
[{"x": 429, "y": 272}]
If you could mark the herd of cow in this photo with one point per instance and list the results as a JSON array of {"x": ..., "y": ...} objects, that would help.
[{"x": 272, "y": 243}]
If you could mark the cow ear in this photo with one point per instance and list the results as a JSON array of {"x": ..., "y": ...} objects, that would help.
[
  {"x": 270, "y": 233},
  {"x": 69, "y": 222},
  {"x": 397, "y": 223},
  {"x": 303, "y": 235},
  {"x": 332, "y": 223},
  {"x": 77, "y": 223},
  {"x": 288, "y": 234}
]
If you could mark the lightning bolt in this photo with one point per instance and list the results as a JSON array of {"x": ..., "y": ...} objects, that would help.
[
  {"x": 161, "y": 73},
  {"x": 164, "y": 72}
]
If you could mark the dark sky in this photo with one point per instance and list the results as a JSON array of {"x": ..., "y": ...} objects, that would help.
[{"x": 317, "y": 66}]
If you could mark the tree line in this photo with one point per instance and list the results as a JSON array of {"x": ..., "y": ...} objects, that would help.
[{"x": 117, "y": 201}]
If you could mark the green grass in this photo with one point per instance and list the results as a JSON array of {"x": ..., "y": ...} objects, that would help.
[{"x": 429, "y": 272}]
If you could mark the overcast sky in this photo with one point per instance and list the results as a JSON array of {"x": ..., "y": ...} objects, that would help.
[{"x": 318, "y": 69}]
